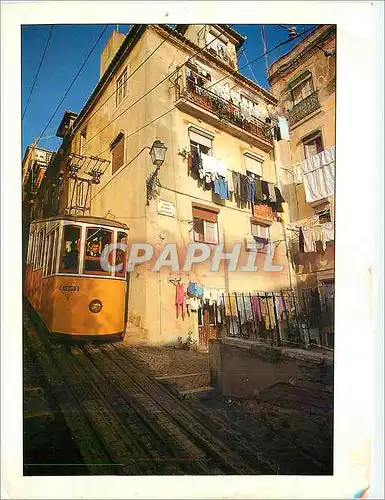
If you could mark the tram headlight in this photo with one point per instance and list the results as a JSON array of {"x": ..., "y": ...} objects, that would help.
[{"x": 95, "y": 306}]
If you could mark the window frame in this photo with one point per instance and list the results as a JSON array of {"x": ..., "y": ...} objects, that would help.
[
  {"x": 84, "y": 253},
  {"x": 302, "y": 82},
  {"x": 61, "y": 269},
  {"x": 256, "y": 158},
  {"x": 121, "y": 85},
  {"x": 204, "y": 222},
  {"x": 259, "y": 225},
  {"x": 312, "y": 138}
]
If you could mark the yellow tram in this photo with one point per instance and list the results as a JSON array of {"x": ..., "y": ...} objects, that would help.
[{"x": 67, "y": 284}]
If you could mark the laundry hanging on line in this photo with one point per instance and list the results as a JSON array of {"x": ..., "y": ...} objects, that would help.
[{"x": 318, "y": 173}]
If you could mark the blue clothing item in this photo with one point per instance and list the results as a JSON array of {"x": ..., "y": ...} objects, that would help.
[
  {"x": 221, "y": 188},
  {"x": 251, "y": 190},
  {"x": 199, "y": 291},
  {"x": 192, "y": 288}
]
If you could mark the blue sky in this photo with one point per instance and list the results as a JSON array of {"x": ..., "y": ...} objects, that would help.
[{"x": 69, "y": 46}]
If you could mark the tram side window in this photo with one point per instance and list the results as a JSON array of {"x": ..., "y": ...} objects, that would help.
[
  {"x": 31, "y": 247},
  {"x": 52, "y": 269},
  {"x": 96, "y": 241},
  {"x": 121, "y": 254},
  {"x": 48, "y": 261},
  {"x": 69, "y": 262}
]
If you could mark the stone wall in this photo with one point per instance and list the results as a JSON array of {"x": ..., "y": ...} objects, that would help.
[{"x": 244, "y": 368}]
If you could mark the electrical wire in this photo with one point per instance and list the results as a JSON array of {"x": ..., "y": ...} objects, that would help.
[
  {"x": 149, "y": 91},
  {"x": 38, "y": 71},
  {"x": 325, "y": 52},
  {"x": 129, "y": 76},
  {"x": 73, "y": 81},
  {"x": 171, "y": 109}
]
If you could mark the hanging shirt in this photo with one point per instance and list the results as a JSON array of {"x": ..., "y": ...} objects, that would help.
[
  {"x": 301, "y": 240},
  {"x": 230, "y": 306},
  {"x": 265, "y": 191},
  {"x": 318, "y": 174},
  {"x": 318, "y": 235}
]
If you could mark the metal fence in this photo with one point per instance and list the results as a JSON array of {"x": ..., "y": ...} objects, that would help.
[{"x": 280, "y": 317}]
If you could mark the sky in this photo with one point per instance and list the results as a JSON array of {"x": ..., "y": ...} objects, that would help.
[{"x": 69, "y": 46}]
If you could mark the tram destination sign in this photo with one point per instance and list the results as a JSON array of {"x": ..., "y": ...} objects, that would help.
[{"x": 69, "y": 288}]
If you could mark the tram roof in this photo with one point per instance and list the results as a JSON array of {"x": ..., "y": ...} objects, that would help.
[{"x": 85, "y": 219}]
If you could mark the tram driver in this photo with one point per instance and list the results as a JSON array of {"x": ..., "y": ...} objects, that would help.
[{"x": 92, "y": 262}]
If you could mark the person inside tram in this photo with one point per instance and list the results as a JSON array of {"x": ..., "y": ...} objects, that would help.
[
  {"x": 94, "y": 249},
  {"x": 71, "y": 257},
  {"x": 92, "y": 261}
]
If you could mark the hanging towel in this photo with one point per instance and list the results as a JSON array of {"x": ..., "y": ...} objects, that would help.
[
  {"x": 179, "y": 300},
  {"x": 308, "y": 239},
  {"x": 328, "y": 231},
  {"x": 272, "y": 196},
  {"x": 318, "y": 173},
  {"x": 256, "y": 306},
  {"x": 283, "y": 128}
]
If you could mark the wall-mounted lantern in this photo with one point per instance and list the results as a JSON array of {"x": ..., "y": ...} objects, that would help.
[{"x": 158, "y": 153}]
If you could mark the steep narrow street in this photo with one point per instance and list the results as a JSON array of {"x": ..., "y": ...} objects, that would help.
[{"x": 99, "y": 409}]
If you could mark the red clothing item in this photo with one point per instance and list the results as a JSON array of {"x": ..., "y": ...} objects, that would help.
[
  {"x": 179, "y": 300},
  {"x": 190, "y": 162}
]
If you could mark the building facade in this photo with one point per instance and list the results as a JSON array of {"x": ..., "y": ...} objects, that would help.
[
  {"x": 190, "y": 96},
  {"x": 304, "y": 82}
]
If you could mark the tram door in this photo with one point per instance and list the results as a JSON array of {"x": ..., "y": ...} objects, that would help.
[{"x": 126, "y": 300}]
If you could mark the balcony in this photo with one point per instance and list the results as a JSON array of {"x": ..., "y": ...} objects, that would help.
[
  {"x": 304, "y": 108},
  {"x": 219, "y": 112}
]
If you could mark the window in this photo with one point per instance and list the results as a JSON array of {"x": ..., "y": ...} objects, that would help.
[
  {"x": 121, "y": 87},
  {"x": 69, "y": 262},
  {"x": 39, "y": 249},
  {"x": 48, "y": 254},
  {"x": 205, "y": 224},
  {"x": 302, "y": 90},
  {"x": 200, "y": 141},
  {"x": 253, "y": 164},
  {"x": 313, "y": 145},
  {"x": 120, "y": 257},
  {"x": 117, "y": 152},
  {"x": 96, "y": 241},
  {"x": 260, "y": 231}
]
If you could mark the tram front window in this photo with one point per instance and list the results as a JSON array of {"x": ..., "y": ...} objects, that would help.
[
  {"x": 96, "y": 240},
  {"x": 70, "y": 251}
]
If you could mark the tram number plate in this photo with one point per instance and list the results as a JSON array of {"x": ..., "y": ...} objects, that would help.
[{"x": 69, "y": 288}]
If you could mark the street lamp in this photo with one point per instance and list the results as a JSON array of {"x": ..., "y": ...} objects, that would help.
[{"x": 158, "y": 153}]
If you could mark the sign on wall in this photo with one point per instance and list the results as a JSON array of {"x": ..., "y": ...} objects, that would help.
[{"x": 166, "y": 208}]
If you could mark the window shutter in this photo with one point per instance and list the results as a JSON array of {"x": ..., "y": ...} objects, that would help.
[
  {"x": 203, "y": 214},
  {"x": 253, "y": 165},
  {"x": 118, "y": 155},
  {"x": 199, "y": 137}
]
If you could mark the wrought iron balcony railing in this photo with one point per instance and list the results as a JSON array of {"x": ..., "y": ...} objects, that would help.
[
  {"x": 224, "y": 110},
  {"x": 304, "y": 108}
]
